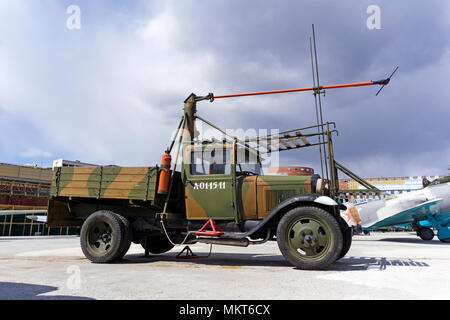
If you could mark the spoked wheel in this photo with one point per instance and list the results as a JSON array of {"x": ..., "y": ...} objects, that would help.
[
  {"x": 309, "y": 238},
  {"x": 101, "y": 236}
]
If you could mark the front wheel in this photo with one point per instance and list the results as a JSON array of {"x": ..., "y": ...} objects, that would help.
[
  {"x": 310, "y": 238},
  {"x": 347, "y": 242}
]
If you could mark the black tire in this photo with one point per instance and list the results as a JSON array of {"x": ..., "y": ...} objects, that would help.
[
  {"x": 425, "y": 234},
  {"x": 347, "y": 238},
  {"x": 157, "y": 244},
  {"x": 309, "y": 238},
  {"x": 128, "y": 236},
  {"x": 101, "y": 236}
]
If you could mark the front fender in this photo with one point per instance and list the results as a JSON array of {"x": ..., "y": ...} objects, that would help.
[{"x": 311, "y": 199}]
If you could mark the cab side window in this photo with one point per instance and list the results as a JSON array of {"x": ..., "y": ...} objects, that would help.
[
  {"x": 210, "y": 162},
  {"x": 200, "y": 168}
]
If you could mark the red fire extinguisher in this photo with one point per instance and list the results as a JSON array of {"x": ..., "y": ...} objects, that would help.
[{"x": 164, "y": 175}]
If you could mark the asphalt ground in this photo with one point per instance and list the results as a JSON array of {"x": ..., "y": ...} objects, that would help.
[{"x": 379, "y": 266}]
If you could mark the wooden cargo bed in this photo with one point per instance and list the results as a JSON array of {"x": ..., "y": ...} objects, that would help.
[{"x": 105, "y": 182}]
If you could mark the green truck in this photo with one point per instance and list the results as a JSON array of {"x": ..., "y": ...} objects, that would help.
[{"x": 161, "y": 206}]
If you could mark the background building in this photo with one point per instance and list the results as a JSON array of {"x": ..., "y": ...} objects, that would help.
[
  {"x": 26, "y": 188},
  {"x": 290, "y": 171},
  {"x": 71, "y": 163},
  {"x": 391, "y": 185}
]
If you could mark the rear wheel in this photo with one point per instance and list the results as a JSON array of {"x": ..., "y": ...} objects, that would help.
[
  {"x": 128, "y": 236},
  {"x": 310, "y": 238},
  {"x": 101, "y": 236},
  {"x": 157, "y": 244}
]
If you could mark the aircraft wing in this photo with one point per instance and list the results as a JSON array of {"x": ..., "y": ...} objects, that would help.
[{"x": 416, "y": 213}]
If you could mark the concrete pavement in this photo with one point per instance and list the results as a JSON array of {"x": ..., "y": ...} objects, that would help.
[{"x": 379, "y": 266}]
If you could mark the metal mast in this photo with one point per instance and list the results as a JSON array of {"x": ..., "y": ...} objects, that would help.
[{"x": 317, "y": 100}]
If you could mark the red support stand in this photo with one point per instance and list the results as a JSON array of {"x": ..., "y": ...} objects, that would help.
[
  {"x": 214, "y": 232},
  {"x": 188, "y": 255}
]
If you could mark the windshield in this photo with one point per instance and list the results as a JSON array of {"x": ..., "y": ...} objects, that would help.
[
  {"x": 210, "y": 160},
  {"x": 248, "y": 162}
]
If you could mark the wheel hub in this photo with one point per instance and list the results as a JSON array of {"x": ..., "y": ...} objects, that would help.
[
  {"x": 100, "y": 237},
  {"x": 106, "y": 237},
  {"x": 308, "y": 237}
]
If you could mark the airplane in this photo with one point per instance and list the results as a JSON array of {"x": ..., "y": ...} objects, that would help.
[
  {"x": 426, "y": 182},
  {"x": 424, "y": 209}
]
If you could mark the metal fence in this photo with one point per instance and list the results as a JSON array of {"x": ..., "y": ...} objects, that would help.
[
  {"x": 20, "y": 225},
  {"x": 26, "y": 194}
]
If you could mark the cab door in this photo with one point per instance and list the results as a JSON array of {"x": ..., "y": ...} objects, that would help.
[
  {"x": 209, "y": 184},
  {"x": 246, "y": 197}
]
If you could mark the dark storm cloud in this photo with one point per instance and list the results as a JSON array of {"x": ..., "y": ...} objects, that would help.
[
  {"x": 132, "y": 64},
  {"x": 407, "y": 122},
  {"x": 247, "y": 31}
]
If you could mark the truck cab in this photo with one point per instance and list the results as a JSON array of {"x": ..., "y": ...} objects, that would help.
[{"x": 225, "y": 181}]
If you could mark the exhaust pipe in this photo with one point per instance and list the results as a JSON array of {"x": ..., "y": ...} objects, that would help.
[
  {"x": 244, "y": 242},
  {"x": 226, "y": 242}
]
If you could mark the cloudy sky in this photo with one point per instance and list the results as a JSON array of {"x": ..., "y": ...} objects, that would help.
[{"x": 111, "y": 91}]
